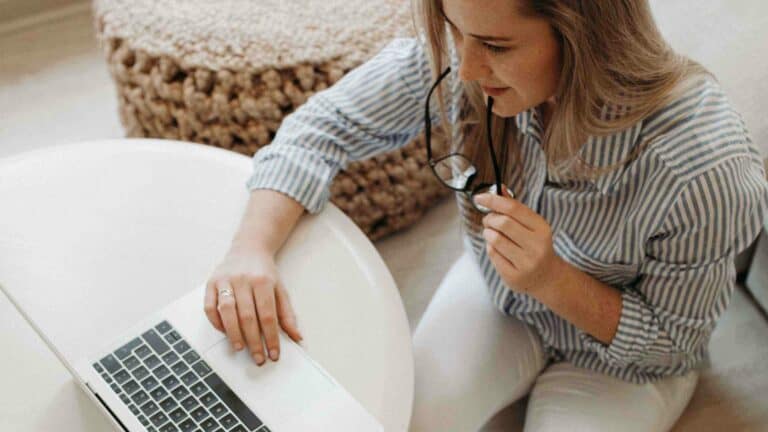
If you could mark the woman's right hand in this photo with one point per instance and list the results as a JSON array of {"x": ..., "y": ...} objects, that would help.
[{"x": 259, "y": 303}]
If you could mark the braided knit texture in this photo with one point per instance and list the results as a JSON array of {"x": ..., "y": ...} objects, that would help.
[{"x": 226, "y": 72}]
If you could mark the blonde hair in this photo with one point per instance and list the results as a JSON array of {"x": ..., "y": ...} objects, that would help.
[{"x": 612, "y": 53}]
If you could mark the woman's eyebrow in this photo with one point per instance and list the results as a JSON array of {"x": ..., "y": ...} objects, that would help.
[{"x": 486, "y": 38}]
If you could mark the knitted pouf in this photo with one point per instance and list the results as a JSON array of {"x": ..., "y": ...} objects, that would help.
[{"x": 226, "y": 73}]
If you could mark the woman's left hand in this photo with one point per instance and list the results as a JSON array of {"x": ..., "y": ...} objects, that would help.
[{"x": 519, "y": 243}]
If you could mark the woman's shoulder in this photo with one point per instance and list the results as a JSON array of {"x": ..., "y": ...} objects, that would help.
[{"x": 698, "y": 130}]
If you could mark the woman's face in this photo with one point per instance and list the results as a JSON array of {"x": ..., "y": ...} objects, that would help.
[{"x": 499, "y": 48}]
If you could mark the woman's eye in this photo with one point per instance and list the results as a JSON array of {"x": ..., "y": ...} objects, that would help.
[{"x": 495, "y": 49}]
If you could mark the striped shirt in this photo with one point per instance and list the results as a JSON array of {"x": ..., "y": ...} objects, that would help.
[{"x": 664, "y": 230}]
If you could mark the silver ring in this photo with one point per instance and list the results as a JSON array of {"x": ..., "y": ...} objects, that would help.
[{"x": 225, "y": 292}]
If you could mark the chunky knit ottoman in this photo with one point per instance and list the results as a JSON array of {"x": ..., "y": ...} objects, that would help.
[{"x": 226, "y": 73}]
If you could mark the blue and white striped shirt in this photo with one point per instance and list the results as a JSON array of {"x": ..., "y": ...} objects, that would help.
[{"x": 664, "y": 231}]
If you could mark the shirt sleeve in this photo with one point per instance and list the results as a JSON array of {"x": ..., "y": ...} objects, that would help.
[
  {"x": 688, "y": 277},
  {"x": 376, "y": 107}
]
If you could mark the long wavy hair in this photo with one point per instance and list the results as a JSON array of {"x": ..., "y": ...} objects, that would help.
[{"x": 612, "y": 54}]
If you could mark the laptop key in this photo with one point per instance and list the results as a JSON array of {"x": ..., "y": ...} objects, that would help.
[
  {"x": 143, "y": 420},
  {"x": 199, "y": 414},
  {"x": 172, "y": 337},
  {"x": 122, "y": 376},
  {"x": 142, "y": 351},
  {"x": 190, "y": 403},
  {"x": 115, "y": 388},
  {"x": 189, "y": 378},
  {"x": 179, "y": 368},
  {"x": 201, "y": 368},
  {"x": 180, "y": 392},
  {"x": 218, "y": 410},
  {"x": 161, "y": 372},
  {"x": 228, "y": 421},
  {"x": 239, "y": 428},
  {"x": 209, "y": 424},
  {"x": 158, "y": 418},
  {"x": 150, "y": 383},
  {"x": 233, "y": 401},
  {"x": 131, "y": 362},
  {"x": 106, "y": 377},
  {"x": 170, "y": 382},
  {"x": 198, "y": 389},
  {"x": 170, "y": 358},
  {"x": 191, "y": 357},
  {"x": 155, "y": 341},
  {"x": 208, "y": 399},
  {"x": 169, "y": 427},
  {"x": 133, "y": 409},
  {"x": 131, "y": 386},
  {"x": 163, "y": 327},
  {"x": 181, "y": 347},
  {"x": 178, "y": 415},
  {"x": 140, "y": 373},
  {"x": 125, "y": 350},
  {"x": 140, "y": 397},
  {"x": 110, "y": 363},
  {"x": 98, "y": 368},
  {"x": 152, "y": 361},
  {"x": 123, "y": 397},
  {"x": 158, "y": 393},
  {"x": 149, "y": 408},
  {"x": 168, "y": 404},
  {"x": 187, "y": 425}
]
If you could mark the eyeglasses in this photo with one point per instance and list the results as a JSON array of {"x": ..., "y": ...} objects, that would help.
[{"x": 455, "y": 170}]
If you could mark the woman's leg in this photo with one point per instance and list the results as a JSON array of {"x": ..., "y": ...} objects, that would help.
[
  {"x": 471, "y": 360},
  {"x": 566, "y": 397}
]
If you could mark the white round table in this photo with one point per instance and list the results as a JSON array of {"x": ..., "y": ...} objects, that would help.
[{"x": 145, "y": 221}]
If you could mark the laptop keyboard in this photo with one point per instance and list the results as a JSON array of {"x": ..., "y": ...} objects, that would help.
[{"x": 169, "y": 388}]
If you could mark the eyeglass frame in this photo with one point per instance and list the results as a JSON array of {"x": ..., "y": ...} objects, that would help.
[{"x": 471, "y": 177}]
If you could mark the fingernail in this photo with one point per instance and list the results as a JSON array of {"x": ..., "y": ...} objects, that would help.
[
  {"x": 273, "y": 354},
  {"x": 259, "y": 358},
  {"x": 238, "y": 347}
]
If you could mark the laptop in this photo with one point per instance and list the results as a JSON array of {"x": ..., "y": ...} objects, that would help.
[{"x": 173, "y": 371}]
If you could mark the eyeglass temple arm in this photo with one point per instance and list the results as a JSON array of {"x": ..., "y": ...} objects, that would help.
[
  {"x": 496, "y": 170},
  {"x": 427, "y": 119}
]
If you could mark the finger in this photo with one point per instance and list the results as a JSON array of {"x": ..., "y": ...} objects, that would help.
[
  {"x": 209, "y": 305},
  {"x": 264, "y": 294},
  {"x": 503, "y": 265},
  {"x": 512, "y": 208},
  {"x": 249, "y": 323},
  {"x": 285, "y": 313},
  {"x": 503, "y": 245},
  {"x": 228, "y": 312},
  {"x": 510, "y": 228}
]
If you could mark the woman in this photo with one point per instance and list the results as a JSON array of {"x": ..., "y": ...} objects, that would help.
[{"x": 630, "y": 185}]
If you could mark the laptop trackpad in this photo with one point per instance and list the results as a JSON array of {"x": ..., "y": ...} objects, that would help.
[{"x": 276, "y": 391}]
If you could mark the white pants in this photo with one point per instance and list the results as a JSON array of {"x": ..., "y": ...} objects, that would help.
[{"x": 472, "y": 361}]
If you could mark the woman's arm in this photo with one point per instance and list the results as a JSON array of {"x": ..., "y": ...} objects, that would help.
[
  {"x": 375, "y": 108},
  {"x": 688, "y": 277},
  {"x": 269, "y": 218}
]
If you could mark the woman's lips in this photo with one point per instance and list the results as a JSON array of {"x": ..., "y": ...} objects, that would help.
[{"x": 494, "y": 91}]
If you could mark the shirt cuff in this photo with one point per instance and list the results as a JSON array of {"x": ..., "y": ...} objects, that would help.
[{"x": 637, "y": 329}]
